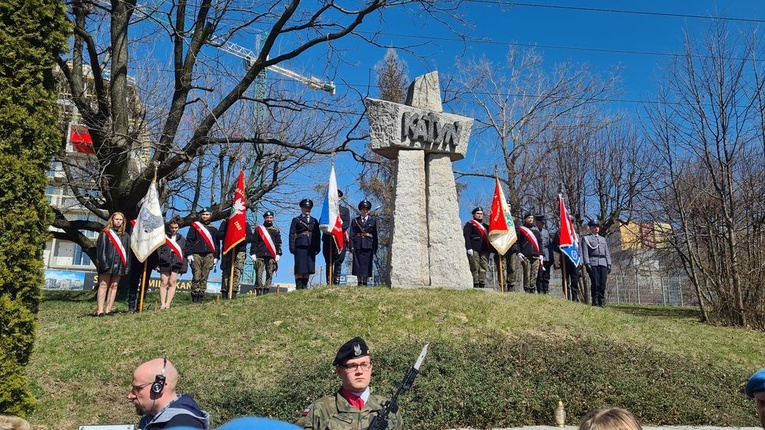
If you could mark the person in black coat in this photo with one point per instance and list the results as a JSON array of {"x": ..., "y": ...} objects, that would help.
[
  {"x": 329, "y": 250},
  {"x": 363, "y": 242},
  {"x": 112, "y": 261},
  {"x": 170, "y": 262},
  {"x": 238, "y": 258},
  {"x": 265, "y": 251},
  {"x": 305, "y": 243}
]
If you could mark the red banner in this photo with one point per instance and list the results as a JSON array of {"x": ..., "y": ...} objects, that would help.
[{"x": 237, "y": 221}]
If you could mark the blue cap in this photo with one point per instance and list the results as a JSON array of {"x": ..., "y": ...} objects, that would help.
[
  {"x": 257, "y": 423},
  {"x": 756, "y": 383},
  {"x": 205, "y": 209}
]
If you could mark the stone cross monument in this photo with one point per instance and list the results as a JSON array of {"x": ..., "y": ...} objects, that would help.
[{"x": 427, "y": 247}]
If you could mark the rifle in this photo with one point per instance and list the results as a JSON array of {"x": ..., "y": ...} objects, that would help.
[{"x": 380, "y": 422}]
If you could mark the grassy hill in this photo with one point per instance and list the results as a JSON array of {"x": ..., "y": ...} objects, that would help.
[{"x": 495, "y": 359}]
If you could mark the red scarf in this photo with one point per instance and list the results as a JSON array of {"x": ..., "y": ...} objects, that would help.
[{"x": 355, "y": 400}]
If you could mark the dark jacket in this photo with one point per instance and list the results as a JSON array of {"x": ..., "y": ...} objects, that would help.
[
  {"x": 195, "y": 244},
  {"x": 364, "y": 234},
  {"x": 524, "y": 245},
  {"x": 475, "y": 239},
  {"x": 258, "y": 247},
  {"x": 241, "y": 246},
  {"x": 167, "y": 260},
  {"x": 305, "y": 235},
  {"x": 108, "y": 259},
  {"x": 182, "y": 412}
]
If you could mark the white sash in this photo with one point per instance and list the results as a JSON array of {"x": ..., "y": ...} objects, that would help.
[
  {"x": 482, "y": 229},
  {"x": 263, "y": 233},
  {"x": 202, "y": 230},
  {"x": 175, "y": 247},
  {"x": 117, "y": 243},
  {"x": 533, "y": 239}
]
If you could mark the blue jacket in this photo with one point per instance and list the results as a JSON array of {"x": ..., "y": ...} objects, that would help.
[{"x": 181, "y": 412}]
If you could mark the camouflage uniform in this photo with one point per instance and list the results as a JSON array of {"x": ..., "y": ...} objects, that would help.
[{"x": 336, "y": 413}]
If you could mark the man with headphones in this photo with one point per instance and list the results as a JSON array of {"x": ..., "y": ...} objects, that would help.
[{"x": 154, "y": 397}]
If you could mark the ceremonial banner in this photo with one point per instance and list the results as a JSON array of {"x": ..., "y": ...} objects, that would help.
[
  {"x": 569, "y": 241},
  {"x": 149, "y": 229},
  {"x": 330, "y": 221},
  {"x": 236, "y": 224},
  {"x": 501, "y": 226}
]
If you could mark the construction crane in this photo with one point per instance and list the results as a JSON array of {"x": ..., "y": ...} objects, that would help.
[{"x": 250, "y": 56}]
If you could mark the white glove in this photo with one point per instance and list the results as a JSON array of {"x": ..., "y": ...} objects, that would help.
[
  {"x": 521, "y": 258},
  {"x": 491, "y": 256},
  {"x": 190, "y": 258},
  {"x": 276, "y": 259},
  {"x": 470, "y": 252},
  {"x": 215, "y": 261},
  {"x": 254, "y": 257}
]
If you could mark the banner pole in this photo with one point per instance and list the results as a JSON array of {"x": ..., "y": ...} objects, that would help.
[{"x": 143, "y": 282}]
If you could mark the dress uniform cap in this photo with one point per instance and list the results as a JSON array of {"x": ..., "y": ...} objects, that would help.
[
  {"x": 528, "y": 214},
  {"x": 365, "y": 204},
  {"x": 756, "y": 383},
  {"x": 354, "y": 348},
  {"x": 593, "y": 223},
  {"x": 267, "y": 213},
  {"x": 257, "y": 423},
  {"x": 540, "y": 218},
  {"x": 339, "y": 193},
  {"x": 477, "y": 209},
  {"x": 306, "y": 203},
  {"x": 205, "y": 209}
]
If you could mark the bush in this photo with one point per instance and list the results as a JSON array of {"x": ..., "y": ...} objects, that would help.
[{"x": 512, "y": 382}]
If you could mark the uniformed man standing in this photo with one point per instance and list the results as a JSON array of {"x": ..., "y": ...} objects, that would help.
[
  {"x": 329, "y": 249},
  {"x": 597, "y": 260},
  {"x": 527, "y": 247},
  {"x": 266, "y": 250},
  {"x": 353, "y": 406},
  {"x": 240, "y": 254},
  {"x": 543, "y": 275},
  {"x": 203, "y": 252},
  {"x": 476, "y": 234},
  {"x": 305, "y": 243},
  {"x": 363, "y": 242}
]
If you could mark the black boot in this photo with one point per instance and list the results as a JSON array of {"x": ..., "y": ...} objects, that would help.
[
  {"x": 233, "y": 294},
  {"x": 299, "y": 283}
]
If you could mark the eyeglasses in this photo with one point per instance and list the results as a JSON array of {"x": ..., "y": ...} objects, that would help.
[
  {"x": 354, "y": 367},
  {"x": 137, "y": 388}
]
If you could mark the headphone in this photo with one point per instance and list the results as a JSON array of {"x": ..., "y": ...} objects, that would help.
[{"x": 159, "y": 381}]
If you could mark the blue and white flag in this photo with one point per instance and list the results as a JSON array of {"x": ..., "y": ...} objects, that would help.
[{"x": 568, "y": 240}]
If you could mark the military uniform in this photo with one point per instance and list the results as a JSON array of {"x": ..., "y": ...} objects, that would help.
[
  {"x": 543, "y": 275},
  {"x": 240, "y": 255},
  {"x": 597, "y": 260},
  {"x": 329, "y": 250},
  {"x": 363, "y": 243},
  {"x": 529, "y": 250},
  {"x": 201, "y": 256},
  {"x": 265, "y": 261},
  {"x": 477, "y": 246},
  {"x": 334, "y": 412},
  {"x": 353, "y": 406},
  {"x": 305, "y": 243}
]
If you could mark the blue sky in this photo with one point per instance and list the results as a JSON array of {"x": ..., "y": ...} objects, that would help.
[{"x": 639, "y": 36}]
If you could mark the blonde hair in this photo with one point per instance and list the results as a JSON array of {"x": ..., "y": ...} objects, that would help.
[
  {"x": 610, "y": 419},
  {"x": 110, "y": 223}
]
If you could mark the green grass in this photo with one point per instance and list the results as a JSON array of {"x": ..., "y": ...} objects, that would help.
[{"x": 496, "y": 360}]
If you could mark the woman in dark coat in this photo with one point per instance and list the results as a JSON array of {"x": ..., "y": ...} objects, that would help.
[
  {"x": 363, "y": 242},
  {"x": 112, "y": 261},
  {"x": 305, "y": 243},
  {"x": 170, "y": 262}
]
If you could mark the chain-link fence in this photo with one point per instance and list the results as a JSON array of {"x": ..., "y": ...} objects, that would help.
[{"x": 633, "y": 285}]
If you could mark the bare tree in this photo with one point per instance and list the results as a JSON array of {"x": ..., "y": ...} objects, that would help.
[
  {"x": 198, "y": 123},
  {"x": 707, "y": 126},
  {"x": 523, "y": 112}
]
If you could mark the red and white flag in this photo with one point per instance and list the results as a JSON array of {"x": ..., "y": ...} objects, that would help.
[
  {"x": 237, "y": 222},
  {"x": 501, "y": 226},
  {"x": 330, "y": 221}
]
